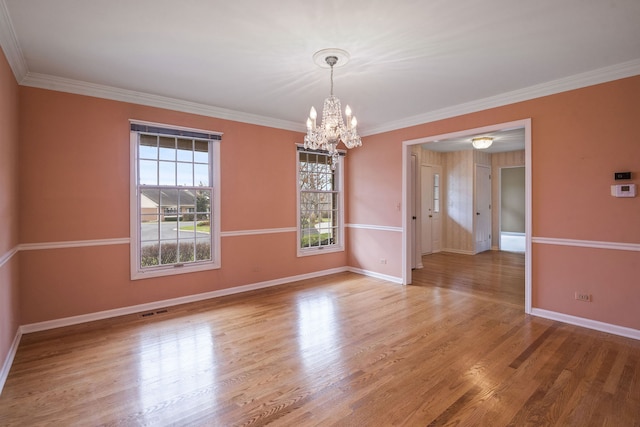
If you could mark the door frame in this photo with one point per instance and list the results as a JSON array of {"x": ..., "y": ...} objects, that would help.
[{"x": 408, "y": 250}]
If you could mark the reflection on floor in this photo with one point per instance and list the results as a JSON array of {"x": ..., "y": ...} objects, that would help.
[
  {"x": 512, "y": 242},
  {"x": 496, "y": 276}
]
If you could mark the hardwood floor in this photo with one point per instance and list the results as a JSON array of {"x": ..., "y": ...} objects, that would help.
[{"x": 454, "y": 349}]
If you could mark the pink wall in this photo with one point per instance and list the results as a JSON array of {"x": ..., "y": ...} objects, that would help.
[
  {"x": 9, "y": 306},
  {"x": 579, "y": 139},
  {"x": 74, "y": 182},
  {"x": 74, "y": 185}
]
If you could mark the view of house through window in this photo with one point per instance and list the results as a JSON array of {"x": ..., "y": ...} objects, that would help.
[
  {"x": 174, "y": 192},
  {"x": 320, "y": 207}
]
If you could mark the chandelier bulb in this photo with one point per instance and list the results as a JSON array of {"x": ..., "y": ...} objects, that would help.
[
  {"x": 354, "y": 122},
  {"x": 311, "y": 121},
  {"x": 347, "y": 111}
]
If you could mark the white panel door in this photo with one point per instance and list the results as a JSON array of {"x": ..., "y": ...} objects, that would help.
[{"x": 483, "y": 209}]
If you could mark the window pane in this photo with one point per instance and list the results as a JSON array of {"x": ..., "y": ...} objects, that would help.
[
  {"x": 203, "y": 249},
  {"x": 167, "y": 148},
  {"x": 186, "y": 250},
  {"x": 167, "y": 173},
  {"x": 187, "y": 200},
  {"x": 149, "y": 255},
  {"x": 185, "y": 150},
  {"x": 149, "y": 228},
  {"x": 149, "y": 205},
  {"x": 203, "y": 204},
  {"x": 148, "y": 148},
  {"x": 148, "y": 172},
  {"x": 201, "y": 177},
  {"x": 185, "y": 174},
  {"x": 169, "y": 214},
  {"x": 436, "y": 193},
  {"x": 169, "y": 252},
  {"x": 201, "y": 153}
]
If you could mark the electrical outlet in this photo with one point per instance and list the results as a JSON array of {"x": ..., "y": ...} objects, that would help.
[
  {"x": 583, "y": 297},
  {"x": 383, "y": 261}
]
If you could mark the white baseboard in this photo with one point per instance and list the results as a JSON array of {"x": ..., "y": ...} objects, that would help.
[
  {"x": 74, "y": 320},
  {"x": 512, "y": 233},
  {"x": 8, "y": 361},
  {"x": 368, "y": 273},
  {"x": 588, "y": 323}
]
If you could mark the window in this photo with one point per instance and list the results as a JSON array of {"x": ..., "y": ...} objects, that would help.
[
  {"x": 174, "y": 199},
  {"x": 436, "y": 192},
  {"x": 320, "y": 204}
]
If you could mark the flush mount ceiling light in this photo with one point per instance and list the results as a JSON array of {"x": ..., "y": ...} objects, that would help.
[
  {"x": 332, "y": 129},
  {"x": 482, "y": 142}
]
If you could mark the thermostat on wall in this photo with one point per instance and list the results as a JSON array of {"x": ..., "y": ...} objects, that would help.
[
  {"x": 623, "y": 190},
  {"x": 622, "y": 175}
]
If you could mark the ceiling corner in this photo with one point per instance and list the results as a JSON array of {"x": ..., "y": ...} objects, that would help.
[{"x": 10, "y": 45}]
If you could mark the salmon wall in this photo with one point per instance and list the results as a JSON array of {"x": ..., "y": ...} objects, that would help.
[
  {"x": 72, "y": 194},
  {"x": 9, "y": 295},
  {"x": 74, "y": 186},
  {"x": 579, "y": 139}
]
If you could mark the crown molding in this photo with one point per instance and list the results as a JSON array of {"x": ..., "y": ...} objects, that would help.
[
  {"x": 602, "y": 75},
  {"x": 10, "y": 45},
  {"x": 577, "y": 81},
  {"x": 61, "y": 84}
]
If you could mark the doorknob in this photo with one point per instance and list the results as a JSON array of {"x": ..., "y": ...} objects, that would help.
[
  {"x": 413, "y": 217},
  {"x": 477, "y": 213},
  {"x": 430, "y": 216}
]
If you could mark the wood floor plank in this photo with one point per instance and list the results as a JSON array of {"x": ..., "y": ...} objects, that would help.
[{"x": 454, "y": 348}]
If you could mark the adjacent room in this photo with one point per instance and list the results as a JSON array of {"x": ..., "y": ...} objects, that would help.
[{"x": 335, "y": 213}]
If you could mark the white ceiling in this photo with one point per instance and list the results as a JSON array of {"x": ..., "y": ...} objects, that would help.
[
  {"x": 503, "y": 141},
  {"x": 412, "y": 61}
]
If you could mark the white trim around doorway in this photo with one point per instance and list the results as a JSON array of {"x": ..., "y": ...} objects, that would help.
[{"x": 406, "y": 188}]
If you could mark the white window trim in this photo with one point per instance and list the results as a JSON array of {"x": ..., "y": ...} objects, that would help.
[
  {"x": 339, "y": 247},
  {"x": 134, "y": 213}
]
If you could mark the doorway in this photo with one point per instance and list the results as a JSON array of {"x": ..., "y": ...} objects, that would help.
[
  {"x": 408, "y": 248},
  {"x": 512, "y": 209}
]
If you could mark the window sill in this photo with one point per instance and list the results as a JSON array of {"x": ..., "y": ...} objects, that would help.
[
  {"x": 173, "y": 270},
  {"x": 320, "y": 251}
]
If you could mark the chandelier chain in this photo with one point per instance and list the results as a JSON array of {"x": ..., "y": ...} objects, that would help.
[{"x": 331, "y": 80}]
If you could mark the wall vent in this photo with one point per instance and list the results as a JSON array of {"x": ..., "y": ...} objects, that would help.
[{"x": 152, "y": 313}]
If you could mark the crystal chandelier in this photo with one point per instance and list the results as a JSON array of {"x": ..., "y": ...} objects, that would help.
[{"x": 332, "y": 129}]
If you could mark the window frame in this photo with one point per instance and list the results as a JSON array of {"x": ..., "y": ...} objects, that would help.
[
  {"x": 135, "y": 213},
  {"x": 339, "y": 172}
]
